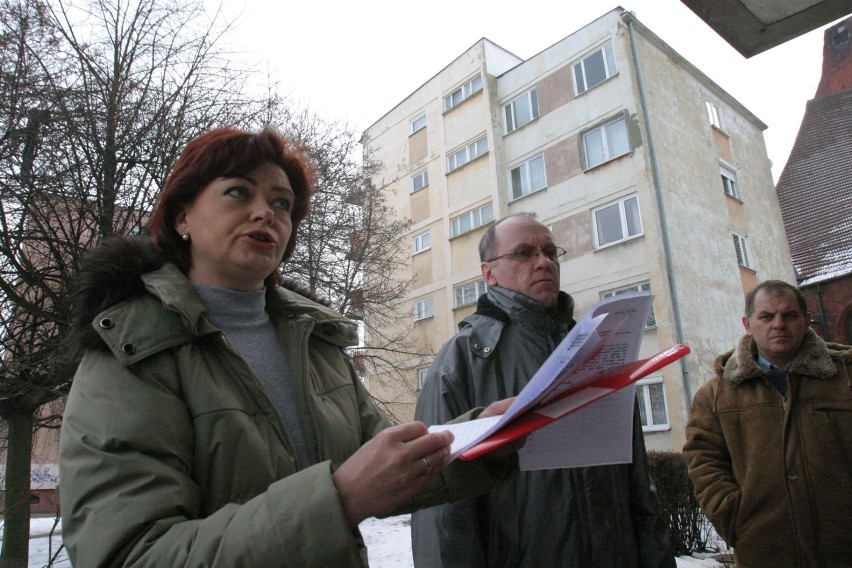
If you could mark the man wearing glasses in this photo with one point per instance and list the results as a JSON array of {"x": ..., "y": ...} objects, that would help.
[{"x": 580, "y": 517}]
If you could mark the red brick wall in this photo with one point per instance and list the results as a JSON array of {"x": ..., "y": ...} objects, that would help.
[
  {"x": 836, "y": 59},
  {"x": 47, "y": 501},
  {"x": 830, "y": 304}
]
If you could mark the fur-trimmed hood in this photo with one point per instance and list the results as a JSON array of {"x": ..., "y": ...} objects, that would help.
[
  {"x": 816, "y": 359},
  {"x": 112, "y": 273}
]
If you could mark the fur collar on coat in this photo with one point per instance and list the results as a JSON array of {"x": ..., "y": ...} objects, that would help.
[
  {"x": 816, "y": 359},
  {"x": 111, "y": 273}
]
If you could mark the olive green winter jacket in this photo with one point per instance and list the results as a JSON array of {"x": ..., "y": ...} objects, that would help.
[{"x": 173, "y": 455}]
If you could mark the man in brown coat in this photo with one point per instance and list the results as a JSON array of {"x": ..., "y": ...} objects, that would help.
[{"x": 769, "y": 439}]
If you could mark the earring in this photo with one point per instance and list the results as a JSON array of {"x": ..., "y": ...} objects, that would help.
[{"x": 185, "y": 236}]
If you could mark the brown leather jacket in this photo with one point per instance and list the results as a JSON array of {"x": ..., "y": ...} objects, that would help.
[{"x": 774, "y": 475}]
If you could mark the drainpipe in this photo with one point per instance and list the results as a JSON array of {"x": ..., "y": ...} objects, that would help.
[
  {"x": 822, "y": 314},
  {"x": 658, "y": 191}
]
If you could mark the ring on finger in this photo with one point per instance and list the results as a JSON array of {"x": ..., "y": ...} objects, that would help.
[{"x": 427, "y": 465}]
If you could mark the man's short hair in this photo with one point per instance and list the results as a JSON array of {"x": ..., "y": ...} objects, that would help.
[
  {"x": 775, "y": 288},
  {"x": 488, "y": 242}
]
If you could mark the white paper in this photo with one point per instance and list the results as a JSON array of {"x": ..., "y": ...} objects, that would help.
[
  {"x": 608, "y": 335},
  {"x": 599, "y": 434}
]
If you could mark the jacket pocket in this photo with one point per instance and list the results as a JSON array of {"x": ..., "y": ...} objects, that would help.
[{"x": 828, "y": 441}]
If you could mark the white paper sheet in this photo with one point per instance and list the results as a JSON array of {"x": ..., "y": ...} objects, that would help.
[{"x": 607, "y": 336}]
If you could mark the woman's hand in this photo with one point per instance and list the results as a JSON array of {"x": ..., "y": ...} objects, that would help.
[{"x": 389, "y": 470}]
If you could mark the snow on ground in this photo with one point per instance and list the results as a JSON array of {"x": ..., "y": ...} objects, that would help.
[
  {"x": 42, "y": 546},
  {"x": 388, "y": 544}
]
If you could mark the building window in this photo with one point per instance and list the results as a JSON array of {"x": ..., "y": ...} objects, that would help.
[
  {"x": 640, "y": 287},
  {"x": 729, "y": 182},
  {"x": 471, "y": 220},
  {"x": 617, "y": 221},
  {"x": 652, "y": 404},
  {"x": 422, "y": 242},
  {"x": 464, "y": 92},
  {"x": 422, "y": 373},
  {"x": 521, "y": 110},
  {"x": 470, "y": 152},
  {"x": 469, "y": 293},
  {"x": 713, "y": 114},
  {"x": 528, "y": 177},
  {"x": 605, "y": 142},
  {"x": 418, "y": 123},
  {"x": 840, "y": 37},
  {"x": 423, "y": 309},
  {"x": 419, "y": 180},
  {"x": 594, "y": 69},
  {"x": 743, "y": 251}
]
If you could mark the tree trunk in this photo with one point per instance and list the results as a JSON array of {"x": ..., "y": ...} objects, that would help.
[{"x": 16, "y": 532}]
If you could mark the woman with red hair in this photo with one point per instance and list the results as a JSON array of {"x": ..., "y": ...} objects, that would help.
[{"x": 215, "y": 419}]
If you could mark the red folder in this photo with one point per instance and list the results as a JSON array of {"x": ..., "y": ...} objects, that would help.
[{"x": 603, "y": 384}]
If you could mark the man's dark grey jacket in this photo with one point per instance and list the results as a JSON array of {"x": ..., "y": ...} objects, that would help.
[{"x": 605, "y": 516}]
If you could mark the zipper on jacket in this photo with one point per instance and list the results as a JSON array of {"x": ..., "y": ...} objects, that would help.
[
  {"x": 257, "y": 383},
  {"x": 303, "y": 353}
]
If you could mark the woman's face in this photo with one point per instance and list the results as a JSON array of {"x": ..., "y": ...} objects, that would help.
[{"x": 239, "y": 228}]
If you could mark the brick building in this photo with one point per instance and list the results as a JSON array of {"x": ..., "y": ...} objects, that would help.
[{"x": 815, "y": 192}]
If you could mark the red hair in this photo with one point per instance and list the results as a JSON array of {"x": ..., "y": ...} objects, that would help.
[{"x": 226, "y": 152}]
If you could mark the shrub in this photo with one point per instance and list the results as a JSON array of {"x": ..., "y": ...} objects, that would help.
[{"x": 689, "y": 529}]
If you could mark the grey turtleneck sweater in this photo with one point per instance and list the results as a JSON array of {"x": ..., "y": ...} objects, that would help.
[{"x": 243, "y": 319}]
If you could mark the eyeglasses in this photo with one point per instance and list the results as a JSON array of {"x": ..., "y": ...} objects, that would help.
[{"x": 528, "y": 252}]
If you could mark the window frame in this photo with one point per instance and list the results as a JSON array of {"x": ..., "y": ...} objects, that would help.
[
  {"x": 510, "y": 114},
  {"x": 643, "y": 286},
  {"x": 471, "y": 151},
  {"x": 417, "y": 244},
  {"x": 742, "y": 248},
  {"x": 730, "y": 182},
  {"x": 643, "y": 399},
  {"x": 413, "y": 128},
  {"x": 526, "y": 177},
  {"x": 424, "y": 309},
  {"x": 607, "y": 149},
  {"x": 465, "y": 91},
  {"x": 623, "y": 219},
  {"x": 608, "y": 58},
  {"x": 479, "y": 288},
  {"x": 424, "y": 174},
  {"x": 713, "y": 115},
  {"x": 477, "y": 220}
]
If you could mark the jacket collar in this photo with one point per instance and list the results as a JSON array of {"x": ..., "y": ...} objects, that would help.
[
  {"x": 176, "y": 293},
  {"x": 507, "y": 305},
  {"x": 137, "y": 329},
  {"x": 813, "y": 360}
]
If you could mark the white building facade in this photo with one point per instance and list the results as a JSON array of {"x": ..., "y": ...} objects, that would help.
[{"x": 649, "y": 175}]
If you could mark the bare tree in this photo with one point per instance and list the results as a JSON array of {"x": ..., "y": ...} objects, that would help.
[
  {"x": 349, "y": 250},
  {"x": 97, "y": 98}
]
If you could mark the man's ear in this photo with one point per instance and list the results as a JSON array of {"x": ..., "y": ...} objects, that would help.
[
  {"x": 488, "y": 274},
  {"x": 808, "y": 319},
  {"x": 746, "y": 325}
]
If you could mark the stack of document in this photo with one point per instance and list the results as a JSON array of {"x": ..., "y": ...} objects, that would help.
[{"x": 576, "y": 410}]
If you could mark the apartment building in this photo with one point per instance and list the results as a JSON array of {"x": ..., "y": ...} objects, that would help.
[{"x": 649, "y": 174}]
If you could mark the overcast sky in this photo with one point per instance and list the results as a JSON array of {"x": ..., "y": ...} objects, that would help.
[{"x": 355, "y": 61}]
